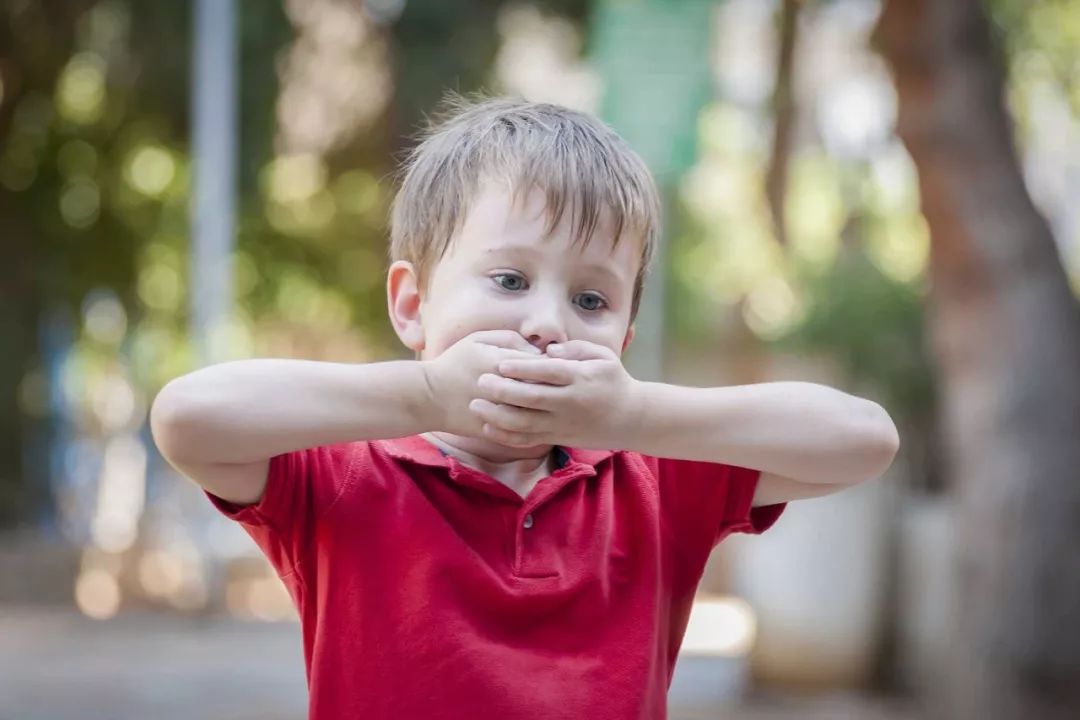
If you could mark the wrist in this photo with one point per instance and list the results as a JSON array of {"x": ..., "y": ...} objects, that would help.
[
  {"x": 634, "y": 424},
  {"x": 429, "y": 411}
]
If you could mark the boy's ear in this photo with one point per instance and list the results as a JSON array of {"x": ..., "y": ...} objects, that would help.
[
  {"x": 628, "y": 339},
  {"x": 403, "y": 302}
]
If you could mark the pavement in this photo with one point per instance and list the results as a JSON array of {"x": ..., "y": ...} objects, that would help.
[{"x": 56, "y": 664}]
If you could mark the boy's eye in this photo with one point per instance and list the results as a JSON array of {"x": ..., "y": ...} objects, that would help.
[
  {"x": 591, "y": 302},
  {"x": 508, "y": 281}
]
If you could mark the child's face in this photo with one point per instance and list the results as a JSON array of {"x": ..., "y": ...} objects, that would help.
[{"x": 500, "y": 273}]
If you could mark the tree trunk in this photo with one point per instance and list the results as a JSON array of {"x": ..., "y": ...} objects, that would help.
[
  {"x": 35, "y": 43},
  {"x": 1006, "y": 336},
  {"x": 784, "y": 112}
]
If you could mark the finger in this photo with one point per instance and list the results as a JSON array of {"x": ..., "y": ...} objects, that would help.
[
  {"x": 580, "y": 350},
  {"x": 508, "y": 339},
  {"x": 543, "y": 370},
  {"x": 507, "y": 391},
  {"x": 507, "y": 417}
]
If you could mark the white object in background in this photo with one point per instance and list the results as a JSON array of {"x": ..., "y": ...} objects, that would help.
[
  {"x": 713, "y": 669},
  {"x": 817, "y": 582},
  {"x": 925, "y": 590}
]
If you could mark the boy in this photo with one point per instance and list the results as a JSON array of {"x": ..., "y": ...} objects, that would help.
[{"x": 509, "y": 525}]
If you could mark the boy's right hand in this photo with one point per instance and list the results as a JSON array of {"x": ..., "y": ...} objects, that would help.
[{"x": 452, "y": 376}]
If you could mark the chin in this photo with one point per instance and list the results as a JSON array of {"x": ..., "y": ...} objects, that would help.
[
  {"x": 512, "y": 452},
  {"x": 495, "y": 443}
]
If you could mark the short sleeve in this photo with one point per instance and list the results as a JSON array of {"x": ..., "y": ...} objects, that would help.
[
  {"x": 301, "y": 487},
  {"x": 711, "y": 500}
]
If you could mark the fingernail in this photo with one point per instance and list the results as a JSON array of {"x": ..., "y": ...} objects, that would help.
[{"x": 554, "y": 349}]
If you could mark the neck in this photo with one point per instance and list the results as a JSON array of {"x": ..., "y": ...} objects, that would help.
[{"x": 517, "y": 468}]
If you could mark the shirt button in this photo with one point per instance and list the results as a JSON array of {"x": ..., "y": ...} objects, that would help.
[{"x": 528, "y": 521}]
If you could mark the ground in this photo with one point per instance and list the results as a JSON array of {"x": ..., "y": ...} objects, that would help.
[{"x": 56, "y": 664}]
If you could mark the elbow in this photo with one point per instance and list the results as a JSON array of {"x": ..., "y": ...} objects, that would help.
[
  {"x": 882, "y": 439},
  {"x": 888, "y": 447},
  {"x": 172, "y": 414},
  {"x": 871, "y": 442},
  {"x": 163, "y": 413},
  {"x": 886, "y": 432}
]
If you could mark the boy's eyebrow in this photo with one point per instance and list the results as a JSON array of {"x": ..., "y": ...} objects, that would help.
[
  {"x": 604, "y": 270},
  {"x": 513, "y": 250}
]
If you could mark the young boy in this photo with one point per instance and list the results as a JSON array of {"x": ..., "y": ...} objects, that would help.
[{"x": 509, "y": 525}]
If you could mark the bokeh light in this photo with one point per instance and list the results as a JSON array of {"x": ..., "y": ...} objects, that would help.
[
  {"x": 150, "y": 170},
  {"x": 80, "y": 92}
]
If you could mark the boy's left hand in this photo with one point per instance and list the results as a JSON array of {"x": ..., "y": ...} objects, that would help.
[{"x": 578, "y": 394}]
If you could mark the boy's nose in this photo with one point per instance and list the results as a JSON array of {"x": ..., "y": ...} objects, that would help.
[{"x": 543, "y": 326}]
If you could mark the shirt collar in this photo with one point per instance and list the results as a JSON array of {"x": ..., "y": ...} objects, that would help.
[{"x": 417, "y": 449}]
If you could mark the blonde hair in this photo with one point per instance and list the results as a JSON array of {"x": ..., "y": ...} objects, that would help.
[{"x": 578, "y": 162}]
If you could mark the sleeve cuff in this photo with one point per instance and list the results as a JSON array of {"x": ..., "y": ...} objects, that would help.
[
  {"x": 248, "y": 514},
  {"x": 257, "y": 513},
  {"x": 745, "y": 518}
]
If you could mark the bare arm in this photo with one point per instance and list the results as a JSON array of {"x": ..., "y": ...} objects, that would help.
[
  {"x": 807, "y": 439},
  {"x": 221, "y": 425}
]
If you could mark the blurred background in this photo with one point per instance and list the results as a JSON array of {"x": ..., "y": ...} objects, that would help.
[{"x": 883, "y": 196}]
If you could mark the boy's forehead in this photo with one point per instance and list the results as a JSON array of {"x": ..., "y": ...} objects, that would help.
[{"x": 496, "y": 223}]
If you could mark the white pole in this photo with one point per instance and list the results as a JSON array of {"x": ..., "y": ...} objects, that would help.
[{"x": 214, "y": 153}]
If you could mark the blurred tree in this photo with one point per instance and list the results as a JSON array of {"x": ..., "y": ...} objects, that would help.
[
  {"x": 860, "y": 318},
  {"x": 439, "y": 46},
  {"x": 93, "y": 127},
  {"x": 42, "y": 258},
  {"x": 784, "y": 111},
  {"x": 872, "y": 325},
  {"x": 1006, "y": 334}
]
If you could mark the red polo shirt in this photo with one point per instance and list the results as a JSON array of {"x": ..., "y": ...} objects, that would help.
[{"x": 427, "y": 589}]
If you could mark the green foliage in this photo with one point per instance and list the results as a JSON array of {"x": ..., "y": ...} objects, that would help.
[
  {"x": 874, "y": 327},
  {"x": 1041, "y": 48}
]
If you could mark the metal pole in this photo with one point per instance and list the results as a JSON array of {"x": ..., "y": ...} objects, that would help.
[{"x": 214, "y": 153}]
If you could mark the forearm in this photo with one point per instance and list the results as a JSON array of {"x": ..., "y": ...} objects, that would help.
[
  {"x": 804, "y": 431},
  {"x": 248, "y": 410}
]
